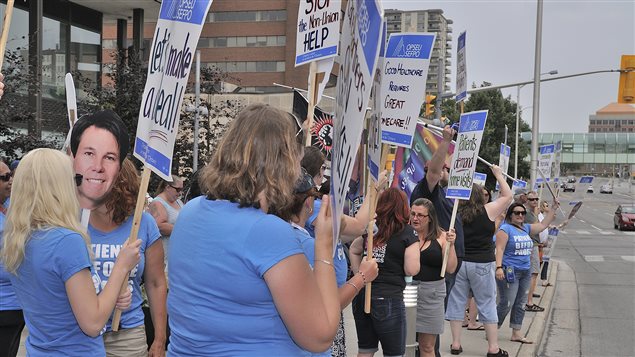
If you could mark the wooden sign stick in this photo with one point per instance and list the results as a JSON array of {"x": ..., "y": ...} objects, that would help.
[
  {"x": 8, "y": 12},
  {"x": 372, "y": 195},
  {"x": 313, "y": 92},
  {"x": 136, "y": 221},
  {"x": 455, "y": 208}
]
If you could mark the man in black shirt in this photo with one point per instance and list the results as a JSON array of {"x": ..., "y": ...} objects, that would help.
[{"x": 432, "y": 187}]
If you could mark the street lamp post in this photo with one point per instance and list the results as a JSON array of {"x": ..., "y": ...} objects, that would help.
[{"x": 552, "y": 72}]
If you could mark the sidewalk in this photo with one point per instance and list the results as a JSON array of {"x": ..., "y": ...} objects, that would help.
[{"x": 473, "y": 342}]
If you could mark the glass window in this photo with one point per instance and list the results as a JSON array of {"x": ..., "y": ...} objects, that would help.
[
  {"x": 280, "y": 66},
  {"x": 250, "y": 66},
  {"x": 240, "y": 66},
  {"x": 251, "y": 41},
  {"x": 231, "y": 41},
  {"x": 282, "y": 40},
  {"x": 241, "y": 41},
  {"x": 272, "y": 40},
  {"x": 220, "y": 42},
  {"x": 262, "y": 41}
]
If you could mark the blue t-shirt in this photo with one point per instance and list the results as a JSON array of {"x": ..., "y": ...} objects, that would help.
[
  {"x": 8, "y": 300},
  {"x": 219, "y": 303},
  {"x": 106, "y": 247},
  {"x": 519, "y": 246},
  {"x": 52, "y": 257},
  {"x": 339, "y": 260}
]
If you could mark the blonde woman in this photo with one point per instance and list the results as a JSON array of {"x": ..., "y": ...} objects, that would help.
[{"x": 47, "y": 253}]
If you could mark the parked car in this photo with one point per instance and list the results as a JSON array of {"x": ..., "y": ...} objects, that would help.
[
  {"x": 571, "y": 179},
  {"x": 606, "y": 188},
  {"x": 590, "y": 189},
  {"x": 569, "y": 187},
  {"x": 624, "y": 217}
]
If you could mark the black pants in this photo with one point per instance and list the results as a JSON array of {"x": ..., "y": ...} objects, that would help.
[
  {"x": 543, "y": 272},
  {"x": 11, "y": 326}
]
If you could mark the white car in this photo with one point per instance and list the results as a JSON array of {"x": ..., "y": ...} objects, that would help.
[
  {"x": 607, "y": 188},
  {"x": 590, "y": 189}
]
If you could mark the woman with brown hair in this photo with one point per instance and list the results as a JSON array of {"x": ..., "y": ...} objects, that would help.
[
  {"x": 165, "y": 209},
  {"x": 396, "y": 249},
  {"x": 109, "y": 228},
  {"x": 240, "y": 284}
]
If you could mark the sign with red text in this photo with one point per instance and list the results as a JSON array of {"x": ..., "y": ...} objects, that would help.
[
  {"x": 468, "y": 144},
  {"x": 359, "y": 48},
  {"x": 318, "y": 30},
  {"x": 172, "y": 52},
  {"x": 403, "y": 85}
]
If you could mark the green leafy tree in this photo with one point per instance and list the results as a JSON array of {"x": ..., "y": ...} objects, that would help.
[{"x": 502, "y": 111}]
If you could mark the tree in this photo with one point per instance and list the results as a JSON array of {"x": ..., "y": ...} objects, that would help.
[{"x": 502, "y": 111}]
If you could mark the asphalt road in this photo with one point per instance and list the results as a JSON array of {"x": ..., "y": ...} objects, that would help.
[{"x": 593, "y": 310}]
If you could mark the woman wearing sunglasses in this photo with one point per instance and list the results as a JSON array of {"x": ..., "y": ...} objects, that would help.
[
  {"x": 165, "y": 209},
  {"x": 513, "y": 252}
]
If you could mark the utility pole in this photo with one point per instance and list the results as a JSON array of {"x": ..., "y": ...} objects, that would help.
[
  {"x": 440, "y": 82},
  {"x": 535, "y": 130}
]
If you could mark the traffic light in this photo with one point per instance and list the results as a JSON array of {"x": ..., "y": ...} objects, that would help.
[
  {"x": 626, "y": 89},
  {"x": 430, "y": 105}
]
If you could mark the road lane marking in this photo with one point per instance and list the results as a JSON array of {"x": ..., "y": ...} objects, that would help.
[
  {"x": 582, "y": 221},
  {"x": 629, "y": 258},
  {"x": 607, "y": 233},
  {"x": 582, "y": 232},
  {"x": 596, "y": 227},
  {"x": 594, "y": 258}
]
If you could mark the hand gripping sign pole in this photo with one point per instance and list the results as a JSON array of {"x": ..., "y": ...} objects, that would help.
[
  {"x": 8, "y": 12},
  {"x": 160, "y": 109}
]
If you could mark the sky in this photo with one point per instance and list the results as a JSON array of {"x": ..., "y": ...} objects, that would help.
[{"x": 577, "y": 37}]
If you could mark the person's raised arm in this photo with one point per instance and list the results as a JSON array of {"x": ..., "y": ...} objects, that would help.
[
  {"x": 501, "y": 243},
  {"x": 435, "y": 165},
  {"x": 541, "y": 226},
  {"x": 92, "y": 311},
  {"x": 500, "y": 204},
  {"x": 308, "y": 301}
]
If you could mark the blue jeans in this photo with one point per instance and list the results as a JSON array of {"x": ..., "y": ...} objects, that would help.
[
  {"x": 386, "y": 323},
  {"x": 513, "y": 296}
]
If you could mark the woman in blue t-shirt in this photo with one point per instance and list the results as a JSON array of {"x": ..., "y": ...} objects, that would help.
[
  {"x": 47, "y": 255},
  {"x": 240, "y": 284},
  {"x": 109, "y": 228},
  {"x": 513, "y": 252}
]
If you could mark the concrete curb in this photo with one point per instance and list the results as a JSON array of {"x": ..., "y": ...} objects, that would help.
[{"x": 536, "y": 329}]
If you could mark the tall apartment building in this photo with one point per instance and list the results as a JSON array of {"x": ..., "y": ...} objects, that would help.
[
  {"x": 428, "y": 21},
  {"x": 613, "y": 118}
]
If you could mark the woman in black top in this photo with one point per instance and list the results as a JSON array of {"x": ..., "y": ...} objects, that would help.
[
  {"x": 477, "y": 270},
  {"x": 397, "y": 253},
  {"x": 431, "y": 286}
]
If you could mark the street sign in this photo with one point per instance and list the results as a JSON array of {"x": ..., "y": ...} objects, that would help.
[
  {"x": 403, "y": 85},
  {"x": 468, "y": 144},
  {"x": 318, "y": 30},
  {"x": 461, "y": 69},
  {"x": 586, "y": 179}
]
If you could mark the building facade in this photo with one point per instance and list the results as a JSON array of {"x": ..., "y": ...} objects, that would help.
[
  {"x": 613, "y": 118},
  {"x": 597, "y": 154},
  {"x": 428, "y": 21}
]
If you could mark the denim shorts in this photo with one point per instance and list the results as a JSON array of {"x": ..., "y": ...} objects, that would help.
[
  {"x": 386, "y": 323},
  {"x": 480, "y": 278}
]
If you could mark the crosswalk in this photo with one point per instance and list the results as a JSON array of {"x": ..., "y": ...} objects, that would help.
[{"x": 610, "y": 258}]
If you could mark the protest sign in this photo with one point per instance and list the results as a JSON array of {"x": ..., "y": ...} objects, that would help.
[
  {"x": 545, "y": 161},
  {"x": 480, "y": 178},
  {"x": 175, "y": 39},
  {"x": 322, "y": 128},
  {"x": 464, "y": 161},
  {"x": 403, "y": 85},
  {"x": 374, "y": 126},
  {"x": 550, "y": 244},
  {"x": 318, "y": 30},
  {"x": 461, "y": 69},
  {"x": 410, "y": 162},
  {"x": 359, "y": 47},
  {"x": 503, "y": 160},
  {"x": 518, "y": 184}
]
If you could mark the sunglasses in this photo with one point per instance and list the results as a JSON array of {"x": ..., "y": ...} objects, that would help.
[
  {"x": 533, "y": 199},
  {"x": 6, "y": 177},
  {"x": 519, "y": 213},
  {"x": 177, "y": 189}
]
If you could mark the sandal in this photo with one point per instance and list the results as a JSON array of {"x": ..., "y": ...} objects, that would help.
[
  {"x": 523, "y": 341},
  {"x": 501, "y": 353},
  {"x": 457, "y": 351},
  {"x": 548, "y": 284},
  {"x": 534, "y": 308}
]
